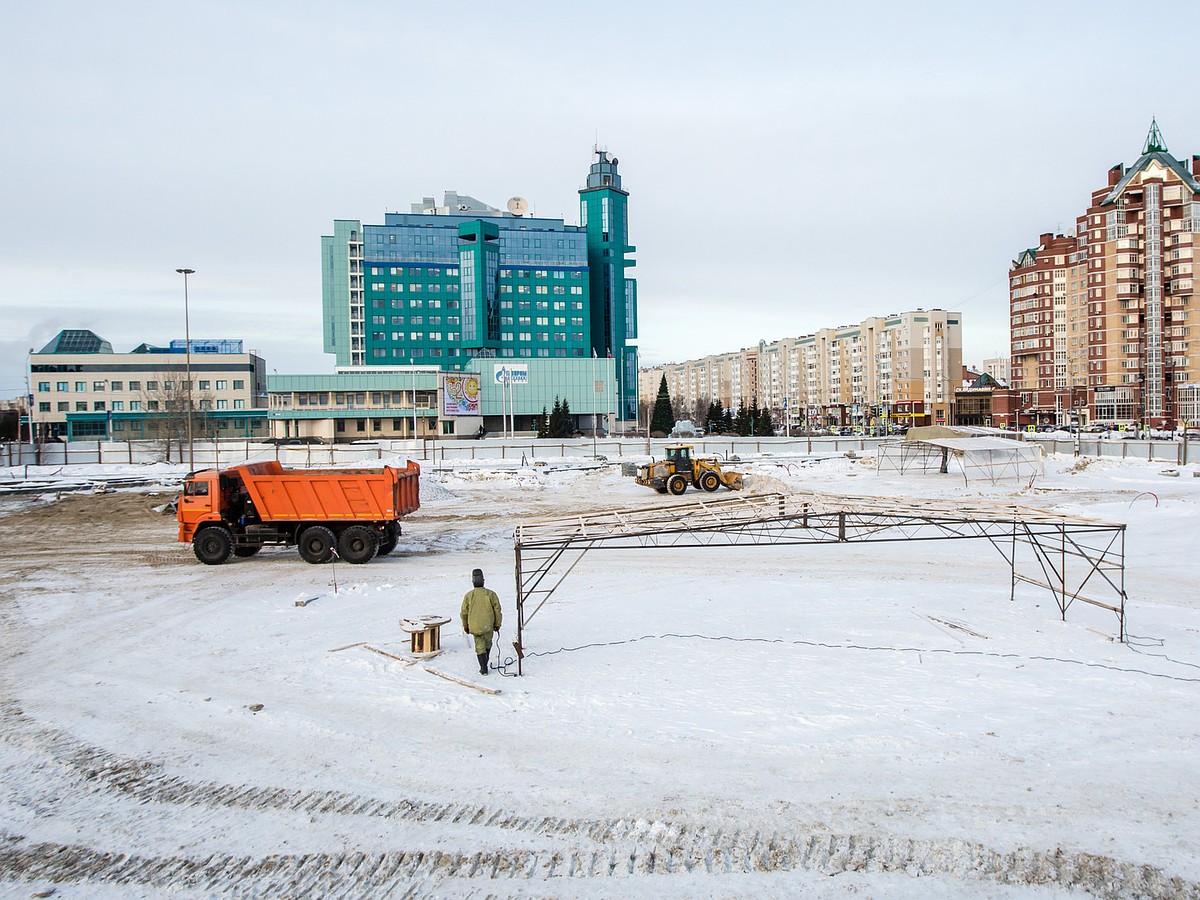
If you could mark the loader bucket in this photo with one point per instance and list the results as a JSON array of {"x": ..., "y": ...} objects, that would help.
[{"x": 733, "y": 480}]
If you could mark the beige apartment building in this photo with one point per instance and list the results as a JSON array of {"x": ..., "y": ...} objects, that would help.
[
  {"x": 82, "y": 390},
  {"x": 902, "y": 366},
  {"x": 1100, "y": 319}
]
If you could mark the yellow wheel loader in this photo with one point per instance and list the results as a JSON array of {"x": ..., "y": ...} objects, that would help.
[{"x": 679, "y": 468}]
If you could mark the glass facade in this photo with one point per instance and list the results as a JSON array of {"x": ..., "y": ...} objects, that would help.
[{"x": 440, "y": 289}]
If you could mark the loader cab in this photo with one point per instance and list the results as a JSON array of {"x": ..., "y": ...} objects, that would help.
[{"x": 679, "y": 456}]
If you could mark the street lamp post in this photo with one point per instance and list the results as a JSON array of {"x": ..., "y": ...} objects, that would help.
[
  {"x": 187, "y": 354},
  {"x": 413, "y": 366}
]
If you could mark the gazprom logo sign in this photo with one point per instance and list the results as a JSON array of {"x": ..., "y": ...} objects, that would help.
[{"x": 511, "y": 374}]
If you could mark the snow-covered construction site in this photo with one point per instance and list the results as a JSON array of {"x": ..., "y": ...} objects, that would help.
[{"x": 844, "y": 680}]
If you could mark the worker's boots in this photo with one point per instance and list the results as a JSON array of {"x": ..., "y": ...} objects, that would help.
[{"x": 483, "y": 663}]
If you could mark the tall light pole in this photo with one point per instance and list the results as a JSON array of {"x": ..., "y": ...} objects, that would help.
[
  {"x": 413, "y": 366},
  {"x": 187, "y": 355}
]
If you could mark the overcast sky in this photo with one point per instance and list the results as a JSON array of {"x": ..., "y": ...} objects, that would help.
[{"x": 790, "y": 166}]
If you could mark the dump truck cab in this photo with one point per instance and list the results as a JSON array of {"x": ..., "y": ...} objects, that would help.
[
  {"x": 212, "y": 496},
  {"x": 199, "y": 503}
]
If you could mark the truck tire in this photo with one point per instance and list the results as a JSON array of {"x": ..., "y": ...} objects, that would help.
[
  {"x": 316, "y": 544},
  {"x": 709, "y": 481},
  {"x": 388, "y": 542},
  {"x": 244, "y": 552},
  {"x": 357, "y": 544},
  {"x": 677, "y": 485},
  {"x": 212, "y": 545}
]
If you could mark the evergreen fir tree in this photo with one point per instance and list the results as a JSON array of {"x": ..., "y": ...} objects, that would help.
[
  {"x": 543, "y": 425},
  {"x": 766, "y": 427},
  {"x": 556, "y": 418},
  {"x": 714, "y": 418},
  {"x": 663, "y": 419},
  {"x": 741, "y": 421},
  {"x": 566, "y": 422},
  {"x": 727, "y": 421}
]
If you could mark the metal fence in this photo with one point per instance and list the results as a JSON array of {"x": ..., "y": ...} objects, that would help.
[{"x": 208, "y": 454}]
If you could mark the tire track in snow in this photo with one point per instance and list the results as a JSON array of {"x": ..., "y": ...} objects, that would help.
[
  {"x": 420, "y": 872},
  {"x": 574, "y": 848}
]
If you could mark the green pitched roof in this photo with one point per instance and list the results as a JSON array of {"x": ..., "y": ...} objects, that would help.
[{"x": 1154, "y": 150}]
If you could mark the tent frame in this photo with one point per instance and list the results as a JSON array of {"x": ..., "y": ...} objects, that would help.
[{"x": 1037, "y": 545}]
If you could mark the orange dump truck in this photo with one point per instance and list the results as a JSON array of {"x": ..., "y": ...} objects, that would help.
[{"x": 354, "y": 513}]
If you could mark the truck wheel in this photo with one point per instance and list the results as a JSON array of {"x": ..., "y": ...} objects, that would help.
[
  {"x": 212, "y": 545},
  {"x": 388, "y": 542},
  {"x": 358, "y": 544},
  {"x": 709, "y": 481},
  {"x": 677, "y": 485},
  {"x": 316, "y": 544},
  {"x": 244, "y": 552}
]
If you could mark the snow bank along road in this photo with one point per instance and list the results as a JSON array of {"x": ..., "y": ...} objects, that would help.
[{"x": 881, "y": 715}]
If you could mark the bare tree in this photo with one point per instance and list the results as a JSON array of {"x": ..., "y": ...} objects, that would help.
[{"x": 165, "y": 401}]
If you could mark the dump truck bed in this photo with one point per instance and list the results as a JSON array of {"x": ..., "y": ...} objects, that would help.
[{"x": 315, "y": 495}]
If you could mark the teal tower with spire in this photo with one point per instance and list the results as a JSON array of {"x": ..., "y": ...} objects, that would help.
[{"x": 604, "y": 215}]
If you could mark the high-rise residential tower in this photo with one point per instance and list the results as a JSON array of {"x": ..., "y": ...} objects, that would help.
[{"x": 1101, "y": 319}]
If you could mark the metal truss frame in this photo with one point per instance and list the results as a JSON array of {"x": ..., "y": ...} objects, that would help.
[
  {"x": 1037, "y": 545},
  {"x": 996, "y": 464}
]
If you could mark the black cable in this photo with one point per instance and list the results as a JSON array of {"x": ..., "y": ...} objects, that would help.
[
  {"x": 1132, "y": 639},
  {"x": 828, "y": 646}
]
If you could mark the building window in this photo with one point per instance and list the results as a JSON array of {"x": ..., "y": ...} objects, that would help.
[
  {"x": 118, "y": 406},
  {"x": 45, "y": 407},
  {"x": 80, "y": 387},
  {"x": 135, "y": 385},
  {"x": 62, "y": 407},
  {"x": 118, "y": 385},
  {"x": 204, "y": 385},
  {"x": 98, "y": 406},
  {"x": 98, "y": 386}
]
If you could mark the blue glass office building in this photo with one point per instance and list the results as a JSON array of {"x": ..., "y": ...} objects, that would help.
[{"x": 442, "y": 285}]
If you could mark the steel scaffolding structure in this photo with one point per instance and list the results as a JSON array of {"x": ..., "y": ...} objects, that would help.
[{"x": 1044, "y": 542}]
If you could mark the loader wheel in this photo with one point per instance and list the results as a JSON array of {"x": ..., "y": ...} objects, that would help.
[
  {"x": 677, "y": 485},
  {"x": 244, "y": 552},
  {"x": 709, "y": 481},
  {"x": 661, "y": 490},
  {"x": 357, "y": 544},
  {"x": 212, "y": 545},
  {"x": 316, "y": 544}
]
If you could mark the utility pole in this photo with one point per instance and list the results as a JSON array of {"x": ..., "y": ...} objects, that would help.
[{"x": 187, "y": 340}]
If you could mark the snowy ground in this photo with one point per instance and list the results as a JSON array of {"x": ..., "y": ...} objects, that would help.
[{"x": 850, "y": 720}]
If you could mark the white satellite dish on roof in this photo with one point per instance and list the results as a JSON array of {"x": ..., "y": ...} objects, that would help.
[{"x": 518, "y": 206}]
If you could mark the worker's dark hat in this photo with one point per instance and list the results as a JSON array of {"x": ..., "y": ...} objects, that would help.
[{"x": 477, "y": 576}]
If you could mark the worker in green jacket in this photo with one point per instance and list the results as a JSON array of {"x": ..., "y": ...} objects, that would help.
[{"x": 480, "y": 617}]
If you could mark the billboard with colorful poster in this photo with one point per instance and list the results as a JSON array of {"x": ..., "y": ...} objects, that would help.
[{"x": 460, "y": 395}]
